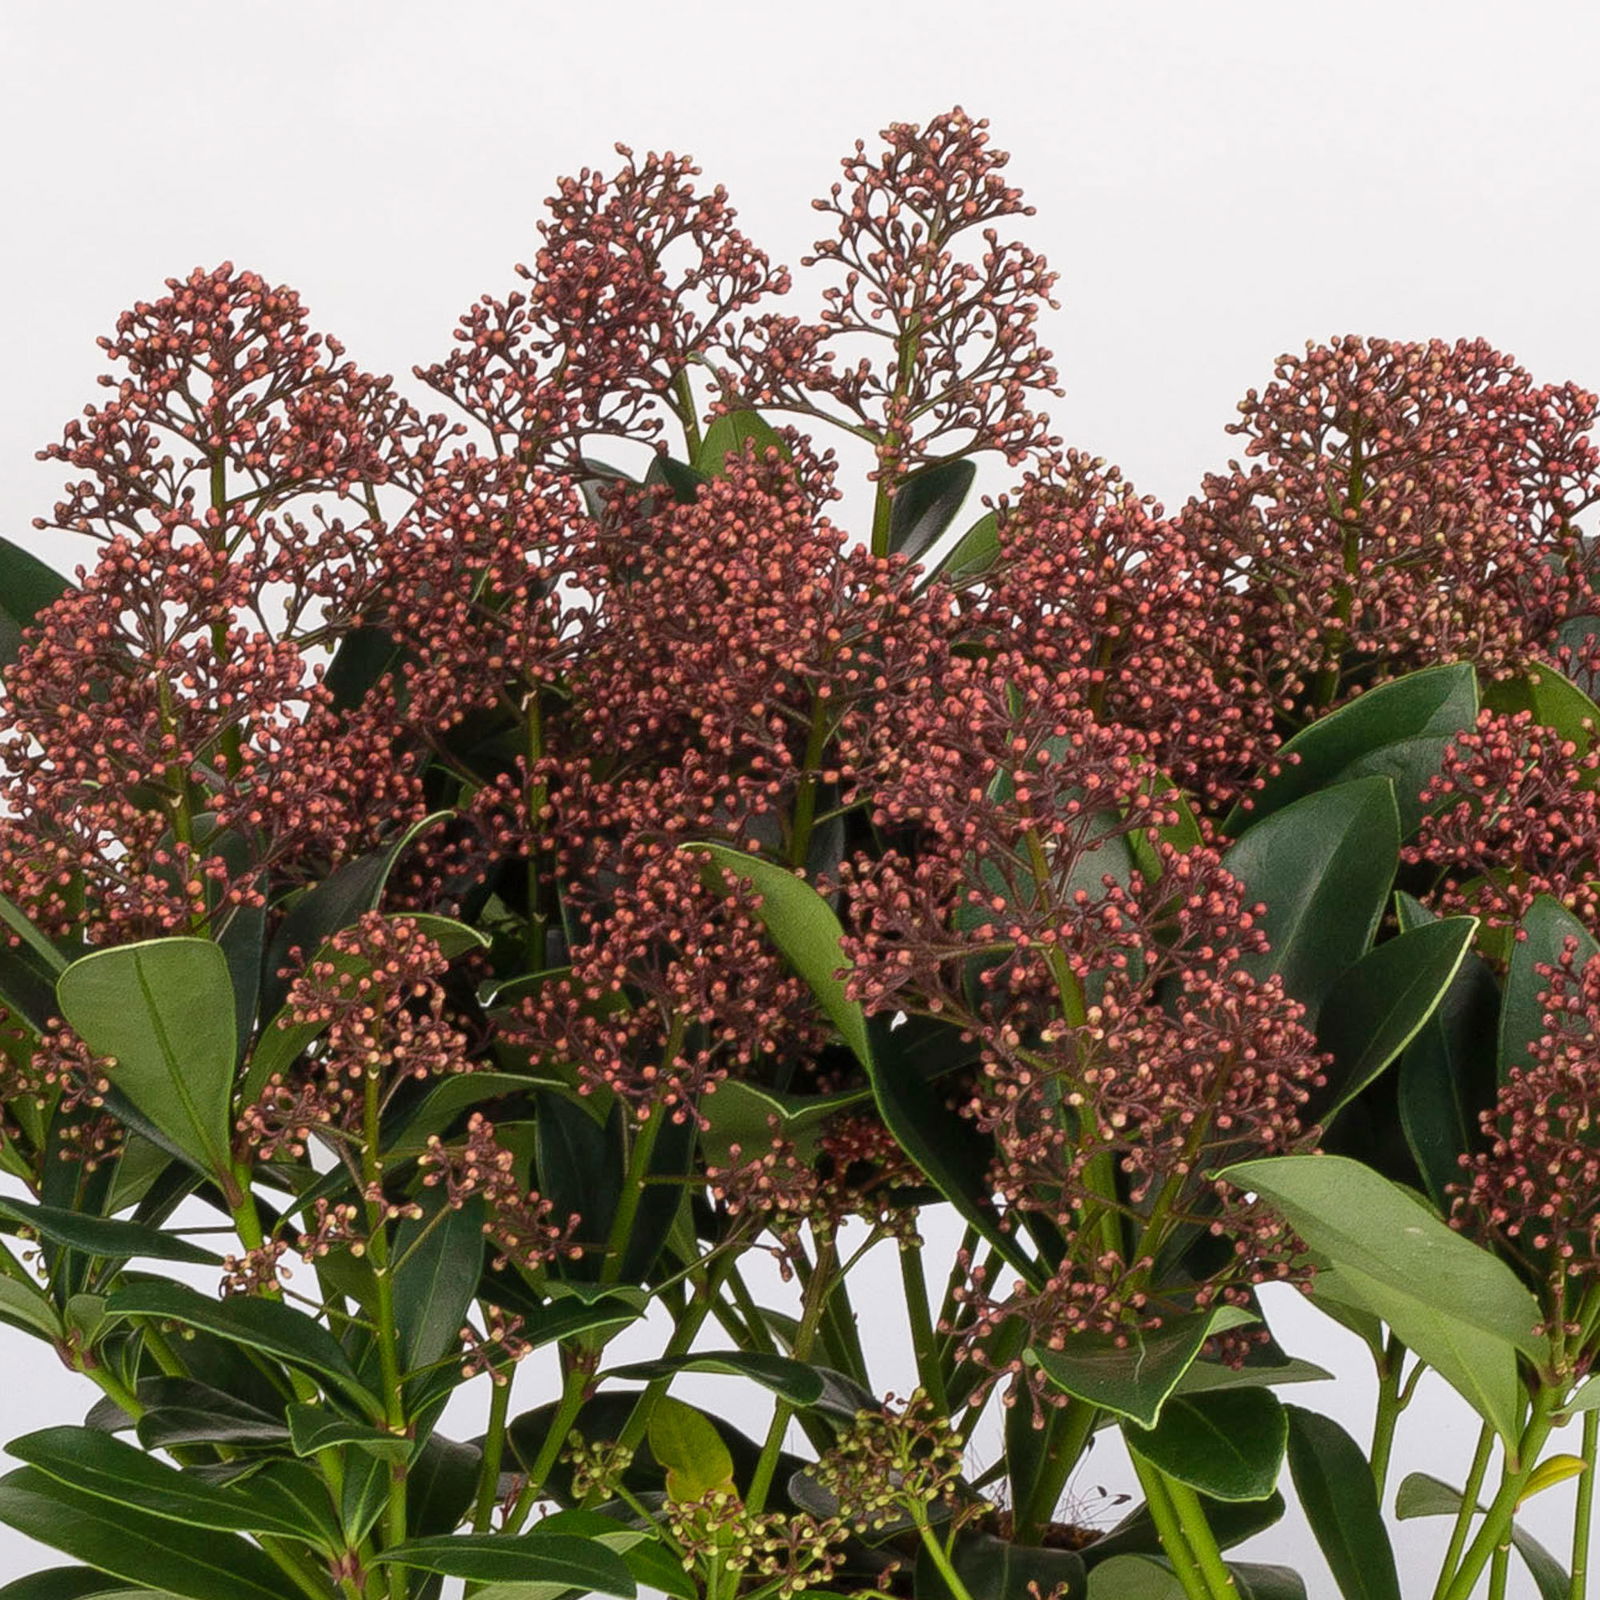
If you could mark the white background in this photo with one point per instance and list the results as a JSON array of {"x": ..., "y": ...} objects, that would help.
[{"x": 1216, "y": 183}]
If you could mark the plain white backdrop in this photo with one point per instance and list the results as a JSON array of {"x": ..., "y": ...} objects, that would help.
[{"x": 1216, "y": 183}]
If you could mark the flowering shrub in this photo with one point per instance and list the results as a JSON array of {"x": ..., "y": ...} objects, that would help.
[{"x": 508, "y": 895}]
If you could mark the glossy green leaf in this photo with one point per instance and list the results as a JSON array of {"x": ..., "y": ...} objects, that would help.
[
  {"x": 441, "y": 1481},
  {"x": 1461, "y": 1309},
  {"x": 973, "y": 554},
  {"x": 1446, "y": 1075},
  {"x": 313, "y": 1428},
  {"x": 1133, "y": 1379},
  {"x": 1555, "y": 702},
  {"x": 925, "y": 504},
  {"x": 1210, "y": 1377},
  {"x": 1547, "y": 928},
  {"x": 1334, "y": 1483},
  {"x": 1139, "y": 1577},
  {"x": 192, "y": 1563},
  {"x": 181, "y": 1411},
  {"x": 14, "y": 917},
  {"x": 795, "y": 1381},
  {"x": 1399, "y": 729},
  {"x": 743, "y": 1114},
  {"x": 270, "y": 1326},
  {"x": 27, "y": 586},
  {"x": 365, "y": 1493},
  {"x": 72, "y": 1583},
  {"x": 731, "y": 434},
  {"x": 533, "y": 1557},
  {"x": 1378, "y": 1006},
  {"x": 109, "y": 1238},
  {"x": 1421, "y": 1495},
  {"x": 1322, "y": 866},
  {"x": 684, "y": 1441},
  {"x": 164, "y": 1009},
  {"x": 24, "y": 1306},
  {"x": 990, "y": 1569},
  {"x": 100, "y": 1464},
  {"x": 1226, "y": 1445},
  {"x": 440, "y": 1260}
]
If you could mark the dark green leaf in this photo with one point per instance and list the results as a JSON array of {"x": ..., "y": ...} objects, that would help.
[
  {"x": 1334, "y": 1483},
  {"x": 1140, "y": 1577},
  {"x": 1556, "y": 702},
  {"x": 181, "y": 1411},
  {"x": 440, "y": 1262},
  {"x": 1231, "y": 1523},
  {"x": 1461, "y": 1309},
  {"x": 799, "y": 1384},
  {"x": 730, "y": 434},
  {"x": 533, "y": 1557},
  {"x": 1423, "y": 1496},
  {"x": 1400, "y": 729},
  {"x": 990, "y": 1569},
  {"x": 1323, "y": 867},
  {"x": 743, "y": 1114},
  {"x": 27, "y": 586},
  {"x": 1132, "y": 1379},
  {"x": 1228, "y": 1446},
  {"x": 1447, "y": 1073},
  {"x": 193, "y": 1563},
  {"x": 1547, "y": 928},
  {"x": 164, "y": 1009},
  {"x": 107, "y": 1237},
  {"x": 925, "y": 504},
  {"x": 313, "y": 1428},
  {"x": 366, "y": 1492},
  {"x": 72, "y": 1583},
  {"x": 973, "y": 553},
  {"x": 363, "y": 656},
  {"x": 440, "y": 1485},
  {"x": 267, "y": 1325},
  {"x": 1378, "y": 1006}
]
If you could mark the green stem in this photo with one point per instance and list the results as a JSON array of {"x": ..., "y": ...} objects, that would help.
[
  {"x": 1208, "y": 1557},
  {"x": 1469, "y": 1506},
  {"x": 906, "y": 350},
  {"x": 937, "y": 1553},
  {"x": 1388, "y": 1413},
  {"x": 637, "y": 1179},
  {"x": 914, "y": 1282},
  {"x": 1513, "y": 1479},
  {"x": 538, "y": 917},
  {"x": 574, "y": 1390},
  {"x": 816, "y": 1299},
  {"x": 1070, "y": 1431},
  {"x": 494, "y": 1443},
  {"x": 1169, "y": 1529},
  {"x": 687, "y": 413},
  {"x": 805, "y": 799},
  {"x": 1500, "y": 1570},
  {"x": 1583, "y": 1511}
]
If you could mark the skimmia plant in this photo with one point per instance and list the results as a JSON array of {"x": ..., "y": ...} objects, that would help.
[{"x": 487, "y": 875}]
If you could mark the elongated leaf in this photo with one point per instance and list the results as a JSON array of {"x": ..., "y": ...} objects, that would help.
[
  {"x": 1461, "y": 1309},
  {"x": 267, "y": 1325},
  {"x": 164, "y": 1009},
  {"x": 1209, "y": 1377},
  {"x": 440, "y": 1263},
  {"x": 27, "y": 586},
  {"x": 1337, "y": 1494},
  {"x": 743, "y": 1114},
  {"x": 181, "y": 1411},
  {"x": 1547, "y": 928},
  {"x": 1322, "y": 866},
  {"x": 1381, "y": 1003},
  {"x": 1423, "y": 1496},
  {"x": 972, "y": 554},
  {"x": 49, "y": 958},
  {"x": 24, "y": 1306},
  {"x": 799, "y": 1384},
  {"x": 440, "y": 1484},
  {"x": 1231, "y": 1522},
  {"x": 192, "y": 1563},
  {"x": 313, "y": 1428},
  {"x": 1229, "y": 1446},
  {"x": 72, "y": 1583},
  {"x": 1138, "y": 1577},
  {"x": 524, "y": 1558},
  {"x": 107, "y": 1237},
  {"x": 925, "y": 504},
  {"x": 730, "y": 434},
  {"x": 1134, "y": 1379},
  {"x": 1447, "y": 1072},
  {"x": 1555, "y": 702},
  {"x": 1399, "y": 729}
]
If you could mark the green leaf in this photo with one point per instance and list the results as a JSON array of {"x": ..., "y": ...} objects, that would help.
[
  {"x": 1229, "y": 1446},
  {"x": 106, "y": 1237},
  {"x": 440, "y": 1484},
  {"x": 50, "y": 959},
  {"x": 1547, "y": 927},
  {"x": 440, "y": 1262},
  {"x": 1586, "y": 1399},
  {"x": 973, "y": 553},
  {"x": 684, "y": 1441},
  {"x": 1400, "y": 730},
  {"x": 925, "y": 504},
  {"x": 72, "y": 1583},
  {"x": 1231, "y": 1522},
  {"x": 1334, "y": 1483},
  {"x": 1133, "y": 1379},
  {"x": 27, "y": 586},
  {"x": 1461, "y": 1309},
  {"x": 1209, "y": 1377},
  {"x": 193, "y": 1563},
  {"x": 799, "y": 1384},
  {"x": 181, "y": 1411},
  {"x": 1556, "y": 702},
  {"x": 532, "y": 1557},
  {"x": 313, "y": 1428},
  {"x": 24, "y": 1306},
  {"x": 991, "y": 1569},
  {"x": 729, "y": 434},
  {"x": 1423, "y": 1496},
  {"x": 1323, "y": 867},
  {"x": 1378, "y": 1006},
  {"x": 740, "y": 1113},
  {"x": 1140, "y": 1577},
  {"x": 1446, "y": 1075},
  {"x": 164, "y": 1008},
  {"x": 266, "y": 1325}
]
